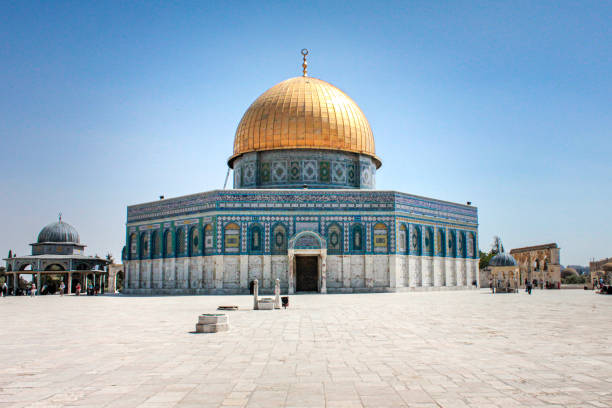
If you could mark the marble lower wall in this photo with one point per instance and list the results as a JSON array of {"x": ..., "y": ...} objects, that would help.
[{"x": 231, "y": 274}]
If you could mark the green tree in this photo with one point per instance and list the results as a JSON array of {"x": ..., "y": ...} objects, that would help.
[{"x": 485, "y": 257}]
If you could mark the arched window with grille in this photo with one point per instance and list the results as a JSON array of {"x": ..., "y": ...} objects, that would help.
[
  {"x": 144, "y": 245},
  {"x": 401, "y": 239},
  {"x": 255, "y": 239},
  {"x": 232, "y": 239},
  {"x": 357, "y": 238},
  {"x": 167, "y": 250},
  {"x": 381, "y": 238},
  {"x": 440, "y": 242},
  {"x": 452, "y": 244},
  {"x": 279, "y": 239},
  {"x": 415, "y": 240},
  {"x": 194, "y": 242},
  {"x": 208, "y": 239},
  {"x": 334, "y": 239},
  {"x": 133, "y": 245},
  {"x": 180, "y": 242},
  {"x": 429, "y": 243},
  {"x": 155, "y": 244}
]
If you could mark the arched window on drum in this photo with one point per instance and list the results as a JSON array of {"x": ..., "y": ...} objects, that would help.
[
  {"x": 231, "y": 239},
  {"x": 357, "y": 238},
  {"x": 381, "y": 238},
  {"x": 334, "y": 239},
  {"x": 255, "y": 239},
  {"x": 180, "y": 242},
  {"x": 279, "y": 240}
]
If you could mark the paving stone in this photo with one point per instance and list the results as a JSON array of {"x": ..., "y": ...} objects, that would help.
[{"x": 428, "y": 349}]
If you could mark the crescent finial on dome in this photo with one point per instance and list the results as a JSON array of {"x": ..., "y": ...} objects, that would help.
[{"x": 304, "y": 64}]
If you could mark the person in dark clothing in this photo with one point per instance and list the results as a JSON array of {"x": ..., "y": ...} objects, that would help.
[{"x": 252, "y": 287}]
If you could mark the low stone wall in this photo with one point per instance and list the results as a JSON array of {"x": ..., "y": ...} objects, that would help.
[{"x": 575, "y": 286}]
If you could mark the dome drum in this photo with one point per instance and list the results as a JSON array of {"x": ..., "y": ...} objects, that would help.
[{"x": 314, "y": 168}]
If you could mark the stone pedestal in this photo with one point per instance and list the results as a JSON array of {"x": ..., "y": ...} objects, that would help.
[
  {"x": 277, "y": 301},
  {"x": 212, "y": 323}
]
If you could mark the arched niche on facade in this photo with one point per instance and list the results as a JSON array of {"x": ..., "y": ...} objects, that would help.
[
  {"x": 255, "y": 237},
  {"x": 167, "y": 249},
  {"x": 335, "y": 241},
  {"x": 208, "y": 239},
  {"x": 402, "y": 239},
  {"x": 132, "y": 245},
  {"x": 194, "y": 242},
  {"x": 307, "y": 244},
  {"x": 231, "y": 239},
  {"x": 144, "y": 245},
  {"x": 55, "y": 268},
  {"x": 155, "y": 244}
]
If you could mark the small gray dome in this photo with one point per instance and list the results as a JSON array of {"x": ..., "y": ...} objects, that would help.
[
  {"x": 59, "y": 232},
  {"x": 502, "y": 259}
]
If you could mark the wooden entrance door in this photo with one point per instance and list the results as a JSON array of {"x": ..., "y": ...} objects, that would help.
[{"x": 307, "y": 274}]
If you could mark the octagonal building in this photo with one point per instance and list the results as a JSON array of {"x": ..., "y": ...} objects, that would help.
[{"x": 303, "y": 210}]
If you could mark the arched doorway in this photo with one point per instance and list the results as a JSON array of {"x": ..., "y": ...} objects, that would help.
[
  {"x": 119, "y": 281},
  {"x": 307, "y": 252}
]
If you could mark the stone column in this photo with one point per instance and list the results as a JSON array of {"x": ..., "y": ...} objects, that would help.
[
  {"x": 69, "y": 286},
  {"x": 15, "y": 283},
  {"x": 323, "y": 273},
  {"x": 277, "y": 302},
  {"x": 291, "y": 272},
  {"x": 38, "y": 283},
  {"x": 255, "y": 294}
]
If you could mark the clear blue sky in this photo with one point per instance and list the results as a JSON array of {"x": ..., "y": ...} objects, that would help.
[{"x": 505, "y": 104}]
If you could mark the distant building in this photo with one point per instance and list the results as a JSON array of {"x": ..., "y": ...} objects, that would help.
[
  {"x": 601, "y": 269},
  {"x": 539, "y": 263},
  {"x": 504, "y": 271},
  {"x": 58, "y": 252}
]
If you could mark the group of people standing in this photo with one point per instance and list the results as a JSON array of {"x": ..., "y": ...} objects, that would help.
[{"x": 31, "y": 289}]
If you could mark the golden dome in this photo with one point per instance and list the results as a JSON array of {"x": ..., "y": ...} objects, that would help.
[{"x": 304, "y": 113}]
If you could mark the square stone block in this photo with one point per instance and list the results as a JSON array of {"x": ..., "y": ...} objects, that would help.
[
  {"x": 213, "y": 318},
  {"x": 266, "y": 304},
  {"x": 211, "y": 328}
]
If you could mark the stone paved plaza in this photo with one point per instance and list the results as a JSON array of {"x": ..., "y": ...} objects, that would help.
[{"x": 428, "y": 349}]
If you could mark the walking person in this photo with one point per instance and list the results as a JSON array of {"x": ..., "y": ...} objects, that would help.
[
  {"x": 33, "y": 290},
  {"x": 529, "y": 287},
  {"x": 4, "y": 289},
  {"x": 78, "y": 289},
  {"x": 62, "y": 287}
]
